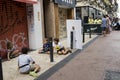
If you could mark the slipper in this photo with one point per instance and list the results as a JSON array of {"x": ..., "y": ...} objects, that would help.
[{"x": 33, "y": 74}]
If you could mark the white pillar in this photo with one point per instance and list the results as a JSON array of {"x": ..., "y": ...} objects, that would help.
[
  {"x": 34, "y": 13},
  {"x": 75, "y": 13}
]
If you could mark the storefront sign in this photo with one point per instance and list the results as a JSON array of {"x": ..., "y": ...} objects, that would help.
[
  {"x": 27, "y": 1},
  {"x": 68, "y": 3},
  {"x": 93, "y": 28}
]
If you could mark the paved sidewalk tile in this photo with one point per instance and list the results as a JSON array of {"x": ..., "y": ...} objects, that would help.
[{"x": 10, "y": 71}]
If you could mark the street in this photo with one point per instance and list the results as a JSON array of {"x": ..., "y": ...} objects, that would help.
[{"x": 101, "y": 57}]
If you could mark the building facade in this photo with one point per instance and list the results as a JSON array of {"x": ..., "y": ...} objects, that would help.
[
  {"x": 28, "y": 22},
  {"x": 55, "y": 15},
  {"x": 97, "y": 7},
  {"x": 13, "y": 24},
  {"x": 20, "y": 24}
]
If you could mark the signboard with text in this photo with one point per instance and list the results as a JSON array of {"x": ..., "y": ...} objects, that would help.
[
  {"x": 95, "y": 28},
  {"x": 68, "y": 3}
]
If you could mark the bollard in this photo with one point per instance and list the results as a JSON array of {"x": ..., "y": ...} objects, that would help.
[
  {"x": 90, "y": 32},
  {"x": 71, "y": 35},
  {"x": 51, "y": 51},
  {"x": 1, "y": 72},
  {"x": 83, "y": 35}
]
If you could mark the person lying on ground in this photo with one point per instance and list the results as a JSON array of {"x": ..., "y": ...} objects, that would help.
[
  {"x": 46, "y": 47},
  {"x": 57, "y": 46},
  {"x": 26, "y": 64},
  {"x": 12, "y": 51}
]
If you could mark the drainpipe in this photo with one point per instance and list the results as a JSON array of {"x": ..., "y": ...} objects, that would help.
[
  {"x": 88, "y": 11},
  {"x": 44, "y": 18}
]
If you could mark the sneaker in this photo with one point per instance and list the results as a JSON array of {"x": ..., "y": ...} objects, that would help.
[{"x": 33, "y": 74}]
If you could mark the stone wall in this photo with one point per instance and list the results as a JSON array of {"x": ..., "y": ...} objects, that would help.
[{"x": 62, "y": 23}]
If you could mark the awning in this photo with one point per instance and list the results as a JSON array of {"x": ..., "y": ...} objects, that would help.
[{"x": 27, "y": 1}]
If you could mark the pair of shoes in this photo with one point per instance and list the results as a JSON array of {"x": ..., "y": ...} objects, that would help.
[
  {"x": 65, "y": 53},
  {"x": 9, "y": 56},
  {"x": 69, "y": 51},
  {"x": 59, "y": 53},
  {"x": 33, "y": 74},
  {"x": 41, "y": 52}
]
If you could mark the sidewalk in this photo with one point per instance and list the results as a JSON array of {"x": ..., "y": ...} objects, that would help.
[
  {"x": 10, "y": 71},
  {"x": 99, "y": 61}
]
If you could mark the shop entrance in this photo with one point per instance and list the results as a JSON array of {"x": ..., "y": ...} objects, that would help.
[
  {"x": 13, "y": 24},
  {"x": 55, "y": 17}
]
